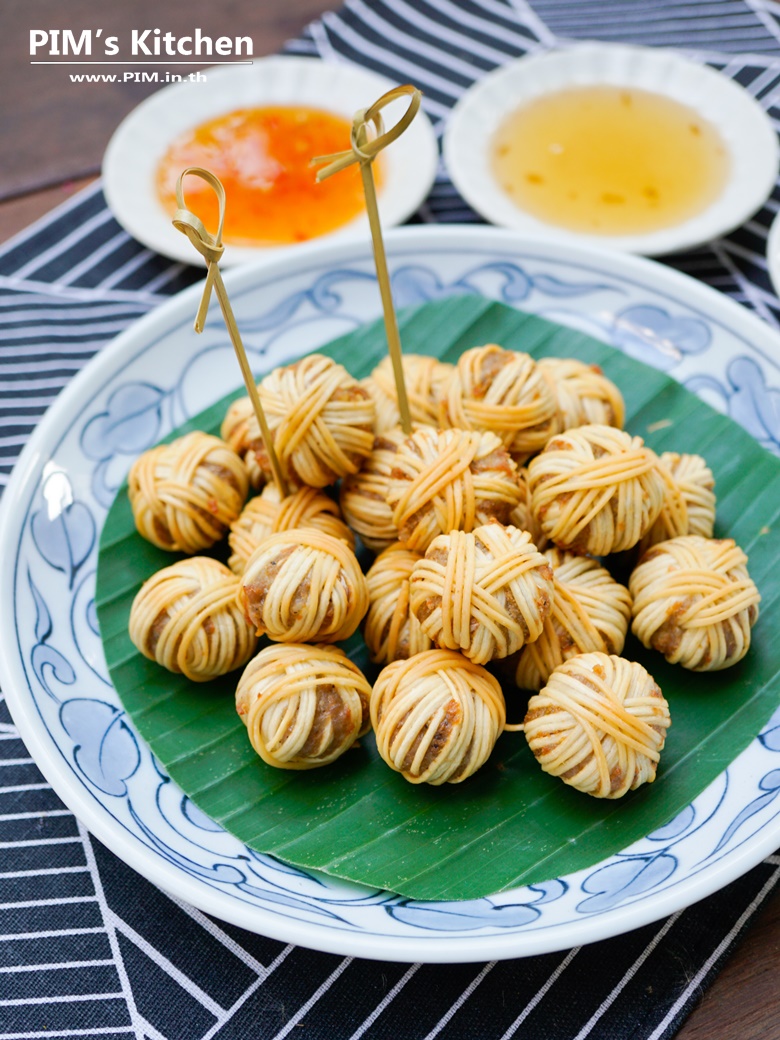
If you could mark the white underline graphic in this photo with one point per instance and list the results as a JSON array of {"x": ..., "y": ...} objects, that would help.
[{"x": 119, "y": 62}]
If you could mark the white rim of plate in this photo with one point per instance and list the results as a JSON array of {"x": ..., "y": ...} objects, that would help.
[
  {"x": 142, "y": 138},
  {"x": 170, "y": 878},
  {"x": 742, "y": 123}
]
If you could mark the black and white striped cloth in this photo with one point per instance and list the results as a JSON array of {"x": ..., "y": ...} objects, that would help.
[{"x": 105, "y": 955}]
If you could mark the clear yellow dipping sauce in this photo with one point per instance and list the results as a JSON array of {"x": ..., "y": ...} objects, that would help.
[
  {"x": 262, "y": 155},
  {"x": 610, "y": 160}
]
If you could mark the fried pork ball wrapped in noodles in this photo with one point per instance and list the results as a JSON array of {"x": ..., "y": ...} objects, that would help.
[
  {"x": 448, "y": 480},
  {"x": 303, "y": 706},
  {"x": 184, "y": 495},
  {"x": 426, "y": 380},
  {"x": 695, "y": 602},
  {"x": 503, "y": 391},
  {"x": 436, "y": 716},
  {"x": 303, "y": 586},
  {"x": 486, "y": 593},
  {"x": 596, "y": 489},
  {"x": 689, "y": 501},
  {"x": 187, "y": 619},
  {"x": 522, "y": 515},
  {"x": 583, "y": 392},
  {"x": 599, "y": 724},
  {"x": 363, "y": 495},
  {"x": 241, "y": 431},
  {"x": 321, "y": 419},
  {"x": 391, "y": 630},
  {"x": 268, "y": 513},
  {"x": 590, "y": 612}
]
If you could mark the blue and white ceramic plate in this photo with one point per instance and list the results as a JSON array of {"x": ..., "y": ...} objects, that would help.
[{"x": 159, "y": 373}]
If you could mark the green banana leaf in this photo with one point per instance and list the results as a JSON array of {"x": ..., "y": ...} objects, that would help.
[{"x": 510, "y": 824}]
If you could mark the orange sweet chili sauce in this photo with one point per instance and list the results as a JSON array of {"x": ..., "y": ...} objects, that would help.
[{"x": 262, "y": 155}]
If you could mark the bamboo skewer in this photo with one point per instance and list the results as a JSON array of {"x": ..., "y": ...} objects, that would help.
[
  {"x": 364, "y": 149},
  {"x": 211, "y": 249}
]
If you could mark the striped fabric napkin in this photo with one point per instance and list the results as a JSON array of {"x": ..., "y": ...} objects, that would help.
[{"x": 88, "y": 948}]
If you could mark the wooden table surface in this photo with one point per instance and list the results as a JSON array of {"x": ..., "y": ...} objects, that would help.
[{"x": 53, "y": 135}]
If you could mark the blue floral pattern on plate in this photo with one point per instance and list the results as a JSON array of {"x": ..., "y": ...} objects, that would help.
[{"x": 147, "y": 383}]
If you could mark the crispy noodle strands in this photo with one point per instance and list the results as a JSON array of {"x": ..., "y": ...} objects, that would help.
[
  {"x": 303, "y": 586},
  {"x": 599, "y": 724},
  {"x": 583, "y": 392},
  {"x": 241, "y": 431},
  {"x": 426, "y": 380},
  {"x": 485, "y": 593},
  {"x": 185, "y": 494},
  {"x": 391, "y": 630},
  {"x": 447, "y": 480},
  {"x": 590, "y": 611},
  {"x": 522, "y": 516},
  {"x": 363, "y": 495},
  {"x": 694, "y": 602},
  {"x": 503, "y": 391},
  {"x": 186, "y": 618},
  {"x": 322, "y": 422},
  {"x": 689, "y": 503},
  {"x": 596, "y": 489},
  {"x": 303, "y": 706},
  {"x": 437, "y": 716},
  {"x": 386, "y": 414},
  {"x": 267, "y": 513}
]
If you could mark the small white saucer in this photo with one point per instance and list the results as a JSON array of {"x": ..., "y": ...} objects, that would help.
[
  {"x": 742, "y": 123},
  {"x": 139, "y": 143}
]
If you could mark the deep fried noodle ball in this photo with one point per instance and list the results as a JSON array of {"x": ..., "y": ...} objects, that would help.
[
  {"x": 186, "y": 618},
  {"x": 303, "y": 586},
  {"x": 268, "y": 512},
  {"x": 504, "y": 392},
  {"x": 599, "y": 724},
  {"x": 185, "y": 494},
  {"x": 596, "y": 490},
  {"x": 303, "y": 706},
  {"x": 321, "y": 419},
  {"x": 363, "y": 495},
  {"x": 590, "y": 611},
  {"x": 689, "y": 501},
  {"x": 436, "y": 716},
  {"x": 695, "y": 602},
  {"x": 391, "y": 630},
  {"x": 583, "y": 392},
  {"x": 448, "y": 480},
  {"x": 425, "y": 379},
  {"x": 486, "y": 593}
]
